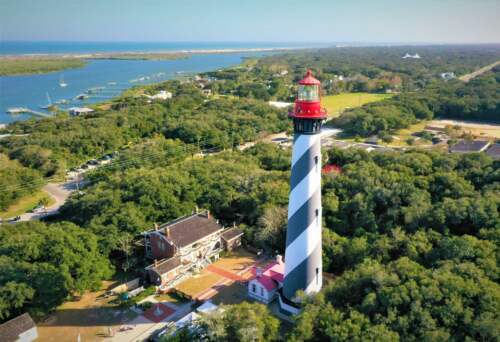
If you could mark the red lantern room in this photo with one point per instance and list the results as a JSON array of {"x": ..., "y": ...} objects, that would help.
[{"x": 308, "y": 102}]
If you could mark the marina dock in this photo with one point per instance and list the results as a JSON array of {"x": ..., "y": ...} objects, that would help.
[{"x": 22, "y": 110}]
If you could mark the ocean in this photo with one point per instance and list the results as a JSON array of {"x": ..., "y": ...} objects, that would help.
[
  {"x": 21, "y": 47},
  {"x": 105, "y": 79}
]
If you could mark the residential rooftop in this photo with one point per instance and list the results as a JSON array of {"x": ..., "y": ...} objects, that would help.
[
  {"x": 10, "y": 330},
  {"x": 189, "y": 229},
  {"x": 465, "y": 146}
]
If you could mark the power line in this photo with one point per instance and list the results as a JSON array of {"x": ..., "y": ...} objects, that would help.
[{"x": 150, "y": 155}]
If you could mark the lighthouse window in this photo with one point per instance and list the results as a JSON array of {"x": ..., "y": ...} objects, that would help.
[
  {"x": 317, "y": 276},
  {"x": 308, "y": 93}
]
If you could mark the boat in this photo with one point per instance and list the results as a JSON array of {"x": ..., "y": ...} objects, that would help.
[
  {"x": 17, "y": 110},
  {"x": 49, "y": 103},
  {"x": 111, "y": 83},
  {"x": 81, "y": 97},
  {"x": 94, "y": 90},
  {"x": 63, "y": 101},
  {"x": 62, "y": 84}
]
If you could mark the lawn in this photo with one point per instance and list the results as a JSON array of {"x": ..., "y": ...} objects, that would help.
[
  {"x": 25, "y": 204},
  {"x": 196, "y": 284},
  {"x": 336, "y": 104}
]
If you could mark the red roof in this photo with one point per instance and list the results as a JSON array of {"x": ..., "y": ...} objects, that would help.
[
  {"x": 331, "y": 168},
  {"x": 309, "y": 79},
  {"x": 271, "y": 275}
]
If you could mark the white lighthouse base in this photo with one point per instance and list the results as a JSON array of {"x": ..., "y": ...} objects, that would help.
[{"x": 286, "y": 307}]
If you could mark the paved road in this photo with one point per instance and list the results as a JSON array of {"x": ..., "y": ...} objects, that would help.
[
  {"x": 468, "y": 77},
  {"x": 59, "y": 192}
]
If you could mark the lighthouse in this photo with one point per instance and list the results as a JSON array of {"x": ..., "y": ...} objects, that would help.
[{"x": 303, "y": 266}]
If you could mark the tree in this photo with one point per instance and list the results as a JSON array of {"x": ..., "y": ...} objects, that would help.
[{"x": 241, "y": 322}]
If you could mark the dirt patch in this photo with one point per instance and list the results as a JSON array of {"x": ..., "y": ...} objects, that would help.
[
  {"x": 89, "y": 317},
  {"x": 479, "y": 130}
]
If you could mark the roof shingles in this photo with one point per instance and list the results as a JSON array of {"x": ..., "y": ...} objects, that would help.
[{"x": 10, "y": 330}]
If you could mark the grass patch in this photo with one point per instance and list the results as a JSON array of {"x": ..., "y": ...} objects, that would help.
[
  {"x": 336, "y": 104},
  {"x": 197, "y": 284},
  {"x": 25, "y": 204},
  {"x": 24, "y": 66}
]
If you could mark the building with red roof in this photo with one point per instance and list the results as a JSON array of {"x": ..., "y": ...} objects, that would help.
[{"x": 267, "y": 281}]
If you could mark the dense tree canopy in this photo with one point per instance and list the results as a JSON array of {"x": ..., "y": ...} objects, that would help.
[
  {"x": 40, "y": 265},
  {"x": 16, "y": 181},
  {"x": 243, "y": 322},
  {"x": 413, "y": 241}
]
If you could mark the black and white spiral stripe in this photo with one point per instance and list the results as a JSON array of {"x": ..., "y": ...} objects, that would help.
[{"x": 303, "y": 268}]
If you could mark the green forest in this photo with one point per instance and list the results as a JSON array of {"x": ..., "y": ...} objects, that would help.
[{"x": 410, "y": 238}]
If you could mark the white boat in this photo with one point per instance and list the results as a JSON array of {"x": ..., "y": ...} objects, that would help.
[
  {"x": 17, "y": 110},
  {"x": 62, "y": 84},
  {"x": 49, "y": 102}
]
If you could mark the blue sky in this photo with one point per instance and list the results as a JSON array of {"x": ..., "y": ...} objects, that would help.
[{"x": 414, "y": 21}]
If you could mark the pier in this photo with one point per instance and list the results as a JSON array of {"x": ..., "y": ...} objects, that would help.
[{"x": 22, "y": 110}]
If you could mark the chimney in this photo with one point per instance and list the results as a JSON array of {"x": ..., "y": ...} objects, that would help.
[
  {"x": 258, "y": 272},
  {"x": 208, "y": 213},
  {"x": 234, "y": 224},
  {"x": 156, "y": 226},
  {"x": 279, "y": 259},
  {"x": 156, "y": 263},
  {"x": 196, "y": 209},
  {"x": 167, "y": 232}
]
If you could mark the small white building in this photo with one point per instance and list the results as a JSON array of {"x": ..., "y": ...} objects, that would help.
[
  {"x": 279, "y": 104},
  {"x": 162, "y": 95},
  {"x": 77, "y": 111},
  {"x": 448, "y": 76},
  {"x": 266, "y": 282}
]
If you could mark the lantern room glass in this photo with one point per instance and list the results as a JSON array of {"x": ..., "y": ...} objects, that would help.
[{"x": 308, "y": 93}]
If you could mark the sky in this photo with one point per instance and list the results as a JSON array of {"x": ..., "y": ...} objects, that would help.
[{"x": 364, "y": 21}]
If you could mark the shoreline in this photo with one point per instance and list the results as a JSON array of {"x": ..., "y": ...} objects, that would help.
[{"x": 145, "y": 54}]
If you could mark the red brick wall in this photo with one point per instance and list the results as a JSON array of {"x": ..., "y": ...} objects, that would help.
[{"x": 157, "y": 251}]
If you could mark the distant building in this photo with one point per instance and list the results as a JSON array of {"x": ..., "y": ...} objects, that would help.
[
  {"x": 279, "y": 104},
  {"x": 465, "y": 146},
  {"x": 331, "y": 168},
  {"x": 22, "y": 328},
  {"x": 494, "y": 151},
  {"x": 190, "y": 242},
  {"x": 77, "y": 111},
  {"x": 266, "y": 282},
  {"x": 415, "y": 56},
  {"x": 162, "y": 95},
  {"x": 373, "y": 140},
  {"x": 448, "y": 76}
]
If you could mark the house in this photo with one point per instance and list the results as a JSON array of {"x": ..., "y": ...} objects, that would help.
[
  {"x": 494, "y": 151},
  {"x": 231, "y": 238},
  {"x": 448, "y": 76},
  {"x": 207, "y": 92},
  {"x": 76, "y": 111},
  {"x": 373, "y": 140},
  {"x": 466, "y": 146},
  {"x": 188, "y": 243},
  {"x": 162, "y": 95},
  {"x": 22, "y": 328},
  {"x": 266, "y": 282},
  {"x": 279, "y": 104}
]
